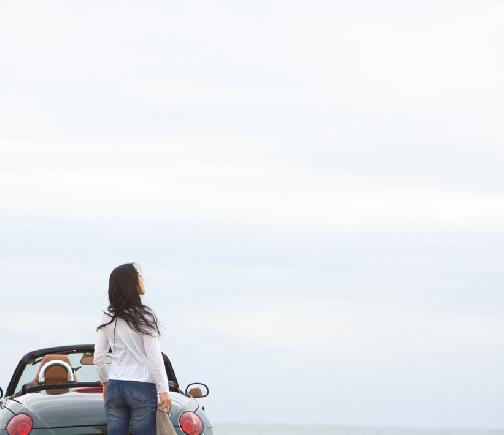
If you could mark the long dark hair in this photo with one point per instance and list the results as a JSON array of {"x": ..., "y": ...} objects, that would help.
[{"x": 125, "y": 303}]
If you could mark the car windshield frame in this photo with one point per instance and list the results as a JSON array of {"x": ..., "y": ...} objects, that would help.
[
  {"x": 30, "y": 357},
  {"x": 34, "y": 356}
]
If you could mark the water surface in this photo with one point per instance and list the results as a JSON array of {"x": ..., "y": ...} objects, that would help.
[{"x": 240, "y": 429}]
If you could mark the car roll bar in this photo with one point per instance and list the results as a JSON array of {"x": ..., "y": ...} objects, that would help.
[{"x": 56, "y": 362}]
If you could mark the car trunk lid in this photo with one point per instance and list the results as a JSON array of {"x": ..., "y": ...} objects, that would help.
[{"x": 63, "y": 410}]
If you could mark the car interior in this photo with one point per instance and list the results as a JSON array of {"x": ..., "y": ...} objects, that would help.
[
  {"x": 81, "y": 361},
  {"x": 55, "y": 374}
]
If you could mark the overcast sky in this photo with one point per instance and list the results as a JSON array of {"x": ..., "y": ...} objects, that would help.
[{"x": 313, "y": 189}]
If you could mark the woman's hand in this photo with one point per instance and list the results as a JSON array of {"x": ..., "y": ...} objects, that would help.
[
  {"x": 165, "y": 400},
  {"x": 104, "y": 386}
]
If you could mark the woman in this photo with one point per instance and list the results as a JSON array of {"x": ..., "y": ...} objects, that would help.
[{"x": 137, "y": 373}]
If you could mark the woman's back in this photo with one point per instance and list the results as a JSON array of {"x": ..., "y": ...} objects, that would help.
[
  {"x": 137, "y": 373},
  {"x": 135, "y": 356}
]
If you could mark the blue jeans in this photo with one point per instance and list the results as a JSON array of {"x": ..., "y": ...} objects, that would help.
[{"x": 130, "y": 403}]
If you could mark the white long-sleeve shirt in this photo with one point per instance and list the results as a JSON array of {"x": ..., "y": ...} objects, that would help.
[{"x": 135, "y": 356}]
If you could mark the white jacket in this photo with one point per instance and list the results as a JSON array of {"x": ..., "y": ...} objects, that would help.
[{"x": 135, "y": 356}]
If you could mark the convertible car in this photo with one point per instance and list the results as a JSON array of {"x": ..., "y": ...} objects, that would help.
[{"x": 56, "y": 391}]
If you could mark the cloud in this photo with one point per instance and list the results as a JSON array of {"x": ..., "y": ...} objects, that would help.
[
  {"x": 353, "y": 330},
  {"x": 282, "y": 198}
]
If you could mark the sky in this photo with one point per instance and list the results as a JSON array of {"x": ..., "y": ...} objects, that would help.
[{"x": 314, "y": 191}]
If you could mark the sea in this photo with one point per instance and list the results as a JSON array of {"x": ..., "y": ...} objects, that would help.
[{"x": 238, "y": 429}]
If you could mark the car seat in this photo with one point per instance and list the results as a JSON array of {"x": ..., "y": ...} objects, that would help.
[{"x": 55, "y": 374}]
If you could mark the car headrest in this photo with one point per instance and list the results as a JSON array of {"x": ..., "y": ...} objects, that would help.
[{"x": 55, "y": 374}]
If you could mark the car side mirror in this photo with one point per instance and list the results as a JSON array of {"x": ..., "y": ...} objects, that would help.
[
  {"x": 1, "y": 392},
  {"x": 197, "y": 390}
]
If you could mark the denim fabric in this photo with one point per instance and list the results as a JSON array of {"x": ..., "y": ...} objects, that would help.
[{"x": 131, "y": 403}]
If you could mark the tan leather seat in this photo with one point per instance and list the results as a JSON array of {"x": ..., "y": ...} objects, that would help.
[{"x": 54, "y": 374}]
